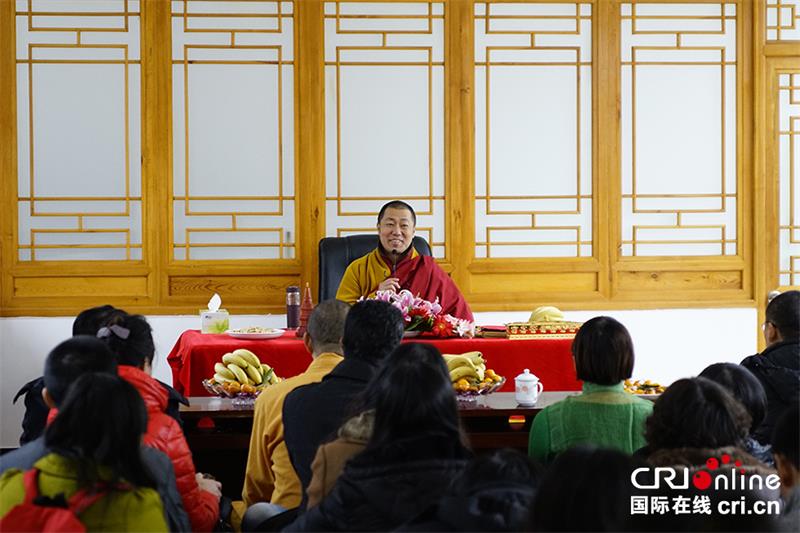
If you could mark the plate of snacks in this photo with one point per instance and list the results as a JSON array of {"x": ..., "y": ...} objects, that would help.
[
  {"x": 240, "y": 374},
  {"x": 470, "y": 376},
  {"x": 644, "y": 388},
  {"x": 255, "y": 333}
]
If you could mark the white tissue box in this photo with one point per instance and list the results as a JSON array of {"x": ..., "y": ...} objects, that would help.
[{"x": 214, "y": 321}]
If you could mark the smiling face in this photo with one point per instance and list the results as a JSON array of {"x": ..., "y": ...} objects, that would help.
[{"x": 396, "y": 230}]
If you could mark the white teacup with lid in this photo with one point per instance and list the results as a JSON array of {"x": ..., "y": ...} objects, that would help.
[{"x": 527, "y": 388}]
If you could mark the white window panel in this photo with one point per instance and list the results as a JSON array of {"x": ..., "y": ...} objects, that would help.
[
  {"x": 679, "y": 98},
  {"x": 79, "y": 130},
  {"x": 384, "y": 114},
  {"x": 789, "y": 179},
  {"x": 783, "y": 20},
  {"x": 233, "y": 130},
  {"x": 533, "y": 122}
]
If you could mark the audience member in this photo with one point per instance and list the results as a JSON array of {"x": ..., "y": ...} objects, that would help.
[
  {"x": 698, "y": 426},
  {"x": 586, "y": 488},
  {"x": 131, "y": 339},
  {"x": 132, "y": 352},
  {"x": 696, "y": 413},
  {"x": 95, "y": 443},
  {"x": 603, "y": 414},
  {"x": 270, "y": 476},
  {"x": 778, "y": 366},
  {"x": 33, "y": 422},
  {"x": 786, "y": 448},
  {"x": 313, "y": 413},
  {"x": 87, "y": 322},
  {"x": 413, "y": 455},
  {"x": 328, "y": 464},
  {"x": 64, "y": 365},
  {"x": 90, "y": 320},
  {"x": 746, "y": 388},
  {"x": 494, "y": 493}
]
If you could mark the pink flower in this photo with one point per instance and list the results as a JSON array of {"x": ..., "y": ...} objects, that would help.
[
  {"x": 421, "y": 315},
  {"x": 405, "y": 298}
]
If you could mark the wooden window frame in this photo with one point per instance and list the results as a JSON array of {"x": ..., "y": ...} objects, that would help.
[{"x": 159, "y": 285}]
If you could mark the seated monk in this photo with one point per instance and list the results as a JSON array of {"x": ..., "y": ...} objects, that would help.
[{"x": 396, "y": 265}]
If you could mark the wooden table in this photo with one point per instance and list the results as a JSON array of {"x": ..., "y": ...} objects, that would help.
[{"x": 219, "y": 432}]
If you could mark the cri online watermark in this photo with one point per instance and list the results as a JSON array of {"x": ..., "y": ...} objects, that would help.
[{"x": 678, "y": 479}]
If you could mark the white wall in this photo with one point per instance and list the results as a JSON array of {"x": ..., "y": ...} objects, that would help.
[{"x": 669, "y": 344}]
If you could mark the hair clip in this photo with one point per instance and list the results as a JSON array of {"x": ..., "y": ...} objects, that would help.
[{"x": 118, "y": 331}]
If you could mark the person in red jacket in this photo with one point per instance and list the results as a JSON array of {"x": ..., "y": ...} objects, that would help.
[{"x": 131, "y": 339}]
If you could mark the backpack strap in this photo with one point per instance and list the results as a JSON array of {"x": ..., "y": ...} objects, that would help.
[
  {"x": 79, "y": 501},
  {"x": 85, "y": 498},
  {"x": 30, "y": 481}
]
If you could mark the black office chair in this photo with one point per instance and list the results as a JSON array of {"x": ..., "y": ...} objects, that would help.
[{"x": 335, "y": 253}]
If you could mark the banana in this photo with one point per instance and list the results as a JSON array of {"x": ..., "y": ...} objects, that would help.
[
  {"x": 458, "y": 361},
  {"x": 475, "y": 357},
  {"x": 465, "y": 371},
  {"x": 481, "y": 372},
  {"x": 254, "y": 374},
  {"x": 237, "y": 360},
  {"x": 269, "y": 375},
  {"x": 219, "y": 378},
  {"x": 248, "y": 356},
  {"x": 241, "y": 377},
  {"x": 223, "y": 371}
]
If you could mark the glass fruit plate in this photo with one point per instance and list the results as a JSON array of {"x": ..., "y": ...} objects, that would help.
[
  {"x": 473, "y": 395},
  {"x": 238, "y": 398}
]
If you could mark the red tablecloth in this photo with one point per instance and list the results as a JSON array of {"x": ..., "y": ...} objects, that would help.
[{"x": 194, "y": 354}]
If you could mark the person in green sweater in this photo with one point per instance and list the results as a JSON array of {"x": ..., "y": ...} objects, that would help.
[
  {"x": 603, "y": 414},
  {"x": 95, "y": 442}
]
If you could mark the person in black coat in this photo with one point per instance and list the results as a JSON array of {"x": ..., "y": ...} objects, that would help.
[
  {"x": 778, "y": 366},
  {"x": 494, "y": 493},
  {"x": 415, "y": 452},
  {"x": 746, "y": 388},
  {"x": 313, "y": 413}
]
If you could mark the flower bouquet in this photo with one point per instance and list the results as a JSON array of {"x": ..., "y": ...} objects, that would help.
[{"x": 423, "y": 316}]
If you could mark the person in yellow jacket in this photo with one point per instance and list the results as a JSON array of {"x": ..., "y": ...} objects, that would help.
[
  {"x": 270, "y": 476},
  {"x": 95, "y": 442}
]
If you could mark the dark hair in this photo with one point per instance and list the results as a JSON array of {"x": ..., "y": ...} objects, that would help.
[
  {"x": 786, "y": 435},
  {"x": 696, "y": 413},
  {"x": 603, "y": 351},
  {"x": 783, "y": 312},
  {"x": 586, "y": 488},
  {"x": 100, "y": 424},
  {"x": 412, "y": 395},
  {"x": 397, "y": 204},
  {"x": 90, "y": 320},
  {"x": 743, "y": 385},
  {"x": 501, "y": 466},
  {"x": 372, "y": 330},
  {"x": 326, "y": 323},
  {"x": 73, "y": 358},
  {"x": 131, "y": 341}
]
